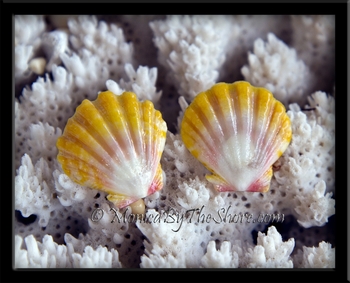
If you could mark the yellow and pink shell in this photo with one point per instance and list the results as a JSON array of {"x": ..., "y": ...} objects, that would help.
[
  {"x": 114, "y": 144},
  {"x": 237, "y": 131}
]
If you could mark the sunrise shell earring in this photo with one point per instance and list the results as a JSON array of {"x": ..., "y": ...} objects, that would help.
[
  {"x": 237, "y": 131},
  {"x": 114, "y": 144}
]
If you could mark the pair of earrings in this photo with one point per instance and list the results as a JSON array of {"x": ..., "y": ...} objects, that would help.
[{"x": 114, "y": 144}]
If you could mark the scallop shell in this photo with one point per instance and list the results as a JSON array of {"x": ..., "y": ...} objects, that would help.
[
  {"x": 237, "y": 131},
  {"x": 114, "y": 144}
]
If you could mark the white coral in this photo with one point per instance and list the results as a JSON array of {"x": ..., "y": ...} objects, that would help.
[
  {"x": 101, "y": 40},
  {"x": 88, "y": 72},
  {"x": 271, "y": 251},
  {"x": 167, "y": 238},
  {"x": 311, "y": 151},
  {"x": 99, "y": 258},
  {"x": 222, "y": 258},
  {"x": 99, "y": 53},
  {"x": 48, "y": 101},
  {"x": 307, "y": 169},
  {"x": 107, "y": 225},
  {"x": 70, "y": 193},
  {"x": 247, "y": 29},
  {"x": 322, "y": 256},
  {"x": 42, "y": 142},
  {"x": 23, "y": 54},
  {"x": 141, "y": 82},
  {"x": 313, "y": 38},
  {"x": 275, "y": 66},
  {"x": 54, "y": 44},
  {"x": 48, "y": 254},
  {"x": 184, "y": 162},
  {"x": 316, "y": 207},
  {"x": 28, "y": 29},
  {"x": 34, "y": 192},
  {"x": 192, "y": 193},
  {"x": 106, "y": 218},
  {"x": 193, "y": 48}
]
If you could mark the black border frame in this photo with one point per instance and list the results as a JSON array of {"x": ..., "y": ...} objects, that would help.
[{"x": 338, "y": 8}]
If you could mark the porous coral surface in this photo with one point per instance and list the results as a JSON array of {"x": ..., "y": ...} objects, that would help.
[{"x": 59, "y": 61}]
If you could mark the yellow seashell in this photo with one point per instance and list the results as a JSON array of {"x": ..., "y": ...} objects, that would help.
[
  {"x": 114, "y": 144},
  {"x": 237, "y": 131}
]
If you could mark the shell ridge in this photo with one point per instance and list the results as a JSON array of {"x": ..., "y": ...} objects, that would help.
[
  {"x": 232, "y": 129},
  {"x": 160, "y": 143},
  {"x": 234, "y": 124},
  {"x": 157, "y": 172},
  {"x": 232, "y": 119},
  {"x": 152, "y": 143},
  {"x": 261, "y": 120},
  {"x": 117, "y": 182},
  {"x": 264, "y": 125},
  {"x": 217, "y": 114},
  {"x": 227, "y": 166},
  {"x": 72, "y": 136},
  {"x": 285, "y": 131},
  {"x": 132, "y": 110},
  {"x": 223, "y": 102},
  {"x": 271, "y": 142},
  {"x": 228, "y": 125},
  {"x": 273, "y": 129},
  {"x": 207, "y": 140},
  {"x": 237, "y": 111},
  {"x": 203, "y": 141},
  {"x": 247, "y": 102},
  {"x": 115, "y": 122},
  {"x": 148, "y": 119},
  {"x": 152, "y": 152},
  {"x": 206, "y": 120},
  {"x": 266, "y": 141},
  {"x": 157, "y": 182},
  {"x": 162, "y": 127},
  {"x": 87, "y": 172},
  {"x": 121, "y": 141},
  {"x": 280, "y": 131},
  {"x": 104, "y": 144},
  {"x": 144, "y": 167},
  {"x": 250, "y": 117},
  {"x": 152, "y": 155},
  {"x": 110, "y": 126},
  {"x": 128, "y": 138},
  {"x": 96, "y": 134},
  {"x": 67, "y": 154}
]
